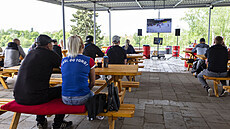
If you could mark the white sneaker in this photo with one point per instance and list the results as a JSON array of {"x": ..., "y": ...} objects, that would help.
[
  {"x": 210, "y": 92},
  {"x": 100, "y": 117},
  {"x": 224, "y": 94}
]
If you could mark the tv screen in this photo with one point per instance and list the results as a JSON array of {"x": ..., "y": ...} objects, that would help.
[
  {"x": 159, "y": 25},
  {"x": 158, "y": 40}
]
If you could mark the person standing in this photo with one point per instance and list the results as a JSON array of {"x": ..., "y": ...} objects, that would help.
[
  {"x": 91, "y": 49},
  {"x": 217, "y": 56},
  {"x": 32, "y": 85}
]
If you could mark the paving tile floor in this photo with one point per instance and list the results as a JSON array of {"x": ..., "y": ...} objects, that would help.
[{"x": 169, "y": 97}]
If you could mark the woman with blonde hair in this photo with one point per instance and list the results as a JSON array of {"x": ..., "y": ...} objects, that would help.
[
  {"x": 128, "y": 47},
  {"x": 76, "y": 70}
]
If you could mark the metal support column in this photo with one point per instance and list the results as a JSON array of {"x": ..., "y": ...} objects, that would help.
[
  {"x": 209, "y": 24},
  {"x": 110, "y": 42},
  {"x": 63, "y": 18},
  {"x": 94, "y": 25},
  {"x": 158, "y": 36}
]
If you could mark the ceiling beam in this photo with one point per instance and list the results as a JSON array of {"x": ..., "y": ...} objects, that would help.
[
  {"x": 177, "y": 3},
  {"x": 138, "y": 3}
]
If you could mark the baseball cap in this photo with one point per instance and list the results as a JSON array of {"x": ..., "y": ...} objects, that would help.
[
  {"x": 202, "y": 40},
  {"x": 115, "y": 39},
  {"x": 43, "y": 40},
  {"x": 89, "y": 38}
]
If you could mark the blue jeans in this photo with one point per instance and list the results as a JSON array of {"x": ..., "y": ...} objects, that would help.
[
  {"x": 210, "y": 74},
  {"x": 76, "y": 100}
]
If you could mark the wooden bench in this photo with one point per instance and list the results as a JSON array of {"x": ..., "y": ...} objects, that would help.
[
  {"x": 227, "y": 88},
  {"x": 126, "y": 110},
  {"x": 184, "y": 59},
  {"x": 5, "y": 74},
  {"x": 216, "y": 81}
]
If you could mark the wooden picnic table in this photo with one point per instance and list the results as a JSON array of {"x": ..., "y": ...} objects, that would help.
[
  {"x": 203, "y": 57},
  {"x": 134, "y": 56},
  {"x": 139, "y": 51},
  {"x": 64, "y": 52}
]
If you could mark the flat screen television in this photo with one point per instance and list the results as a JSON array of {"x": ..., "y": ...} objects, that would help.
[
  {"x": 159, "y": 25},
  {"x": 158, "y": 40}
]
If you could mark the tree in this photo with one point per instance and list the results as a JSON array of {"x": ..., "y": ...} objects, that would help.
[{"x": 84, "y": 25}]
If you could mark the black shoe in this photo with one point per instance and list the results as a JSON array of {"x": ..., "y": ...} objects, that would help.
[
  {"x": 224, "y": 93},
  {"x": 63, "y": 125},
  {"x": 42, "y": 125}
]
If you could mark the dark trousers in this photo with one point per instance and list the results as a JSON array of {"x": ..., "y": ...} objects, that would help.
[{"x": 54, "y": 93}]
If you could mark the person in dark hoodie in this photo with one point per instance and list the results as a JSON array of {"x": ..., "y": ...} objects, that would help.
[
  {"x": 217, "y": 57},
  {"x": 91, "y": 49},
  {"x": 56, "y": 48}
]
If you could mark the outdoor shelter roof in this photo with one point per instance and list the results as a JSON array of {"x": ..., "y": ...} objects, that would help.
[{"x": 104, "y": 5}]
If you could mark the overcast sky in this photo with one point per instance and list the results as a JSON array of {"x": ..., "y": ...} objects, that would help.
[{"x": 41, "y": 16}]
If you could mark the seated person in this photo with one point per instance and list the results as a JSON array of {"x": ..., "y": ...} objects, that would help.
[
  {"x": 75, "y": 89},
  {"x": 217, "y": 56},
  {"x": 56, "y": 48},
  {"x": 91, "y": 49},
  {"x": 116, "y": 53},
  {"x": 200, "y": 49},
  {"x": 12, "y": 53},
  {"x": 32, "y": 85},
  {"x": 128, "y": 47}
]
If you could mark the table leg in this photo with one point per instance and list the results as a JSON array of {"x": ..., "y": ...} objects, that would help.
[
  {"x": 216, "y": 82},
  {"x": 3, "y": 83},
  {"x": 15, "y": 120},
  {"x": 112, "y": 122}
]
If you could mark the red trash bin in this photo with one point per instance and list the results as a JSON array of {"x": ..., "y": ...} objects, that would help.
[
  {"x": 187, "y": 56},
  {"x": 146, "y": 52},
  {"x": 176, "y": 51}
]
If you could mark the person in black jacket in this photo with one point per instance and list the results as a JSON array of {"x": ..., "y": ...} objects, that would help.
[
  {"x": 217, "y": 56},
  {"x": 32, "y": 85},
  {"x": 56, "y": 48},
  {"x": 116, "y": 54},
  {"x": 91, "y": 49}
]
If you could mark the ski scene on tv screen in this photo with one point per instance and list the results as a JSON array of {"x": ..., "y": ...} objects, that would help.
[{"x": 159, "y": 25}]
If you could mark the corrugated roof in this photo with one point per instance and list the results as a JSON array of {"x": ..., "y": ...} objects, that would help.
[{"x": 104, "y": 5}]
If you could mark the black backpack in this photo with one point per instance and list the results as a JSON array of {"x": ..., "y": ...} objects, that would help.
[
  {"x": 113, "y": 102},
  {"x": 96, "y": 105}
]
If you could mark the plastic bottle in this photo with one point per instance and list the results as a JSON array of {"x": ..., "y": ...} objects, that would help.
[{"x": 106, "y": 61}]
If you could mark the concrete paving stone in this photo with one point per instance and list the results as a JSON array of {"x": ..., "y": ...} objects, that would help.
[
  {"x": 161, "y": 102},
  {"x": 153, "y": 109},
  {"x": 140, "y": 95},
  {"x": 195, "y": 122},
  {"x": 211, "y": 106},
  {"x": 76, "y": 119},
  {"x": 145, "y": 101},
  {"x": 154, "y": 91},
  {"x": 172, "y": 115},
  {"x": 224, "y": 114},
  {"x": 131, "y": 127},
  {"x": 139, "y": 112},
  {"x": 199, "y": 127},
  {"x": 174, "y": 124},
  {"x": 208, "y": 112},
  {"x": 27, "y": 125},
  {"x": 153, "y": 118},
  {"x": 168, "y": 93},
  {"x": 139, "y": 106},
  {"x": 153, "y": 126},
  {"x": 85, "y": 124},
  {"x": 104, "y": 124},
  {"x": 155, "y": 96},
  {"x": 218, "y": 125},
  {"x": 200, "y": 99},
  {"x": 193, "y": 104},
  {"x": 215, "y": 119},
  {"x": 170, "y": 97},
  {"x": 134, "y": 121},
  {"x": 171, "y": 109},
  {"x": 175, "y": 103},
  {"x": 6, "y": 115},
  {"x": 131, "y": 100}
]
